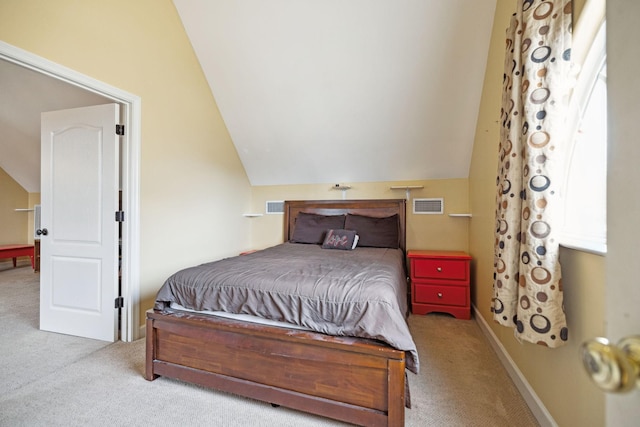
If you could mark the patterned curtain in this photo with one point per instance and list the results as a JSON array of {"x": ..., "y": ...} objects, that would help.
[{"x": 527, "y": 278}]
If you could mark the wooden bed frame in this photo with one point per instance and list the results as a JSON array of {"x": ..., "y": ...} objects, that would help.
[{"x": 349, "y": 379}]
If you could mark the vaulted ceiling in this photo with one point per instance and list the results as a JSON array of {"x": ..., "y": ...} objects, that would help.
[
  {"x": 322, "y": 91},
  {"x": 311, "y": 91},
  {"x": 24, "y": 94}
]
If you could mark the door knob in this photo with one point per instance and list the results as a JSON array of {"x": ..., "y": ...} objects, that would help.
[
  {"x": 613, "y": 367},
  {"x": 43, "y": 232}
]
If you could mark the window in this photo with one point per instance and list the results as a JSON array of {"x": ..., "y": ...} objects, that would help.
[{"x": 585, "y": 190}]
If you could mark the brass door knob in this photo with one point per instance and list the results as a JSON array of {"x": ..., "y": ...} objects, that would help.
[{"x": 613, "y": 367}]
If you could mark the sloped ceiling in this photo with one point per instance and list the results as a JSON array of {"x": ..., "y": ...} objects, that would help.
[
  {"x": 311, "y": 91},
  {"x": 24, "y": 94},
  {"x": 328, "y": 91}
]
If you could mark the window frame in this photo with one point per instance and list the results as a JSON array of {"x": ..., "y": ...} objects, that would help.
[{"x": 591, "y": 72}]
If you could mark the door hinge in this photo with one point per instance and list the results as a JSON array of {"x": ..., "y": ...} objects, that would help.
[
  {"x": 119, "y": 216},
  {"x": 120, "y": 130},
  {"x": 119, "y": 302}
]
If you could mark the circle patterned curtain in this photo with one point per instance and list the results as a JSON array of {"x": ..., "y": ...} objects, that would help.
[{"x": 527, "y": 289}]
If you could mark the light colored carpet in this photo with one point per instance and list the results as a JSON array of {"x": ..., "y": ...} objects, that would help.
[{"x": 50, "y": 379}]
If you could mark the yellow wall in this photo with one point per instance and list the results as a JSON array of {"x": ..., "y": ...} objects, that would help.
[
  {"x": 13, "y": 225},
  {"x": 193, "y": 188},
  {"x": 423, "y": 231},
  {"x": 556, "y": 375}
]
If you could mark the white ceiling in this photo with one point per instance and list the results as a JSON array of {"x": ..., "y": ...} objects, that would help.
[
  {"x": 24, "y": 94},
  {"x": 311, "y": 91},
  {"x": 327, "y": 91}
]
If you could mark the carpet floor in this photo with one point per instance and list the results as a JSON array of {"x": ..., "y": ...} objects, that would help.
[{"x": 50, "y": 379}]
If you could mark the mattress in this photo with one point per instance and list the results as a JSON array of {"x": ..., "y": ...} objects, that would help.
[{"x": 360, "y": 293}]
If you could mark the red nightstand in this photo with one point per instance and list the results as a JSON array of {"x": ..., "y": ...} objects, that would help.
[{"x": 440, "y": 281}]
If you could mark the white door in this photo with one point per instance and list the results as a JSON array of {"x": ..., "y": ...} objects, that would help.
[
  {"x": 79, "y": 234},
  {"x": 623, "y": 193}
]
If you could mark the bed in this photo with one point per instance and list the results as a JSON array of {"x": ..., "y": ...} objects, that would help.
[{"x": 343, "y": 369}]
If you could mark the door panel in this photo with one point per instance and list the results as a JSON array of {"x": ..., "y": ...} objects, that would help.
[
  {"x": 82, "y": 226},
  {"x": 79, "y": 198},
  {"x": 75, "y": 295}
]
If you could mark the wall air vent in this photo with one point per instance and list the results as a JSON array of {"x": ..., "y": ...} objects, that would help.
[
  {"x": 274, "y": 207},
  {"x": 428, "y": 206}
]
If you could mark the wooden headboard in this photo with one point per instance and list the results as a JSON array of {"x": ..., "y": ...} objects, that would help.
[{"x": 375, "y": 208}]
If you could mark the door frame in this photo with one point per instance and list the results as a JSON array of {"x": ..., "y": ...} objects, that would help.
[{"x": 129, "y": 170}]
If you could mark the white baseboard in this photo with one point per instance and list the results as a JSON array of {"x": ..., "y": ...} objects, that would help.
[
  {"x": 142, "y": 332},
  {"x": 538, "y": 409}
]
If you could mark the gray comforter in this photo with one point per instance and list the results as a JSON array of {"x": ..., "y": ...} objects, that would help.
[{"x": 360, "y": 293}]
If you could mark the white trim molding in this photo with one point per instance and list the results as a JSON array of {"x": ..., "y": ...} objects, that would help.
[{"x": 538, "y": 409}]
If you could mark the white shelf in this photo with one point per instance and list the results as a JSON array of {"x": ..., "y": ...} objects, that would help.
[
  {"x": 464, "y": 215},
  {"x": 252, "y": 215},
  {"x": 407, "y": 189}
]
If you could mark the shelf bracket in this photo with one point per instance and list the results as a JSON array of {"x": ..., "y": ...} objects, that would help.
[
  {"x": 407, "y": 189},
  {"x": 342, "y": 188}
]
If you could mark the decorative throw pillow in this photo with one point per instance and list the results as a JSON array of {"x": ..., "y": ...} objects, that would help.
[
  {"x": 311, "y": 228},
  {"x": 340, "y": 239},
  {"x": 375, "y": 232}
]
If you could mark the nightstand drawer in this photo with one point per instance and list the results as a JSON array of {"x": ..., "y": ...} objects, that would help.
[
  {"x": 446, "y": 295},
  {"x": 439, "y": 269}
]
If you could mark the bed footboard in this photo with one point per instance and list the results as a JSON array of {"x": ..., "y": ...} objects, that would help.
[{"x": 348, "y": 379}]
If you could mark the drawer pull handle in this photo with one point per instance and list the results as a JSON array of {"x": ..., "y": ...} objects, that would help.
[
  {"x": 439, "y": 269},
  {"x": 439, "y": 294}
]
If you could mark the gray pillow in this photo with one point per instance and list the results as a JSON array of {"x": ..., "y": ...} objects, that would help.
[
  {"x": 340, "y": 239},
  {"x": 375, "y": 232},
  {"x": 312, "y": 228}
]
